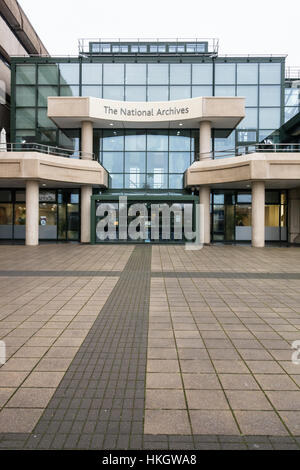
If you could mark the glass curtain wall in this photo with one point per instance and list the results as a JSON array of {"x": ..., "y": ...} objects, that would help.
[
  {"x": 231, "y": 213},
  {"x": 260, "y": 82}
]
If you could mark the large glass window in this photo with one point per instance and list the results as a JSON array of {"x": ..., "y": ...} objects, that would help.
[
  {"x": 113, "y": 161},
  {"x": 269, "y": 117},
  {"x": 157, "y": 162},
  {"x": 44, "y": 92},
  {"x": 158, "y": 93},
  {"x": 180, "y": 92},
  {"x": 25, "y": 118},
  {"x": 225, "y": 74},
  {"x": 113, "y": 74},
  {"x": 113, "y": 93},
  {"x": 180, "y": 74},
  {"x": 269, "y": 95},
  {"x": 270, "y": 73},
  {"x": 25, "y": 75},
  {"x": 202, "y": 74},
  {"x": 247, "y": 73},
  {"x": 136, "y": 74},
  {"x": 69, "y": 74},
  {"x": 157, "y": 140},
  {"x": 198, "y": 90},
  {"x": 91, "y": 74},
  {"x": 250, "y": 120},
  {"x": 180, "y": 140},
  {"x": 179, "y": 161},
  {"x": 226, "y": 90},
  {"x": 250, "y": 93},
  {"x": 158, "y": 74},
  {"x": 113, "y": 140},
  {"x": 48, "y": 74},
  {"x": 88, "y": 90},
  {"x": 292, "y": 96},
  {"x": 25, "y": 96},
  {"x": 135, "y": 93},
  {"x": 135, "y": 162},
  {"x": 135, "y": 140}
]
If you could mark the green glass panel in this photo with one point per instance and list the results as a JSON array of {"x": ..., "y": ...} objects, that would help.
[
  {"x": 25, "y": 118},
  {"x": 25, "y": 74},
  {"x": 48, "y": 74},
  {"x": 25, "y": 96},
  {"x": 44, "y": 92},
  {"x": 43, "y": 120}
]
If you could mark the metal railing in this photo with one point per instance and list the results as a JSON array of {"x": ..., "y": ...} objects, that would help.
[
  {"x": 292, "y": 73},
  {"x": 241, "y": 150},
  {"x": 46, "y": 149}
]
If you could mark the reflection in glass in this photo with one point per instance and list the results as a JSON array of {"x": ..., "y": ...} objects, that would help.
[
  {"x": 157, "y": 140},
  {"x": 135, "y": 162},
  {"x": 68, "y": 90},
  {"x": 157, "y": 162},
  {"x": 43, "y": 120},
  {"x": 242, "y": 216},
  {"x": 290, "y": 112},
  {"x": 47, "y": 221},
  {"x": 135, "y": 140},
  {"x": 180, "y": 140},
  {"x": 179, "y": 161},
  {"x": 175, "y": 181},
  {"x": 115, "y": 181},
  {"x": 292, "y": 97},
  {"x": 73, "y": 221},
  {"x": 113, "y": 161},
  {"x": 113, "y": 140},
  {"x": 157, "y": 180},
  {"x": 135, "y": 180}
]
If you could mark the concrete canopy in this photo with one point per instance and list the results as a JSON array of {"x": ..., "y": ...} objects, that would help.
[{"x": 222, "y": 112}]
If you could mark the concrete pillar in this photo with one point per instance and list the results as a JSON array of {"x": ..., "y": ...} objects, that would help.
[
  {"x": 86, "y": 193},
  {"x": 205, "y": 140},
  {"x": 204, "y": 198},
  {"x": 87, "y": 140},
  {"x": 32, "y": 213},
  {"x": 258, "y": 214}
]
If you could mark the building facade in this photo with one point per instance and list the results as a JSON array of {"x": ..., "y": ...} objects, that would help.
[{"x": 154, "y": 120}]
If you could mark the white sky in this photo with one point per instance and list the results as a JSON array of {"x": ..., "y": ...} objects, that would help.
[{"x": 242, "y": 26}]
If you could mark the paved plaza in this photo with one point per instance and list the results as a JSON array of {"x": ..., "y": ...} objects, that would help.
[{"x": 149, "y": 347}]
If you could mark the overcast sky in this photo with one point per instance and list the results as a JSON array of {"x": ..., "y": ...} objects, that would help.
[{"x": 243, "y": 27}]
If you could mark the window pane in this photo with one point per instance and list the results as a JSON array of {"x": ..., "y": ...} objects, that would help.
[
  {"x": 269, "y": 95},
  {"x": 113, "y": 161},
  {"x": 179, "y": 161},
  {"x": 225, "y": 90},
  {"x": 135, "y": 93},
  {"x": 113, "y": 140},
  {"x": 69, "y": 74},
  {"x": 250, "y": 121},
  {"x": 135, "y": 180},
  {"x": 48, "y": 74},
  {"x": 25, "y": 74},
  {"x": 44, "y": 92},
  {"x": 158, "y": 74},
  {"x": 6, "y": 220},
  {"x": 115, "y": 181},
  {"x": 180, "y": 140},
  {"x": 135, "y": 162},
  {"x": 175, "y": 181},
  {"x": 180, "y": 92},
  {"x": 113, "y": 92},
  {"x": 270, "y": 73},
  {"x": 289, "y": 113},
  {"x": 292, "y": 96},
  {"x": 92, "y": 74},
  {"x": 201, "y": 91},
  {"x": 5, "y": 196},
  {"x": 246, "y": 136},
  {"x": 157, "y": 162},
  {"x": 43, "y": 120},
  {"x": 25, "y": 96},
  {"x": 263, "y": 134},
  {"x": 158, "y": 93},
  {"x": 247, "y": 73},
  {"x": 225, "y": 74},
  {"x": 113, "y": 74},
  {"x": 95, "y": 91},
  {"x": 250, "y": 93},
  {"x": 157, "y": 140},
  {"x": 269, "y": 117},
  {"x": 202, "y": 74},
  {"x": 25, "y": 118},
  {"x": 157, "y": 180},
  {"x": 136, "y": 74},
  {"x": 135, "y": 140},
  {"x": 68, "y": 90},
  {"x": 180, "y": 74},
  {"x": 244, "y": 197}
]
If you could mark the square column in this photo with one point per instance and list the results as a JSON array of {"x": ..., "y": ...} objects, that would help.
[
  {"x": 204, "y": 198},
  {"x": 205, "y": 140},
  {"x": 258, "y": 214},
  {"x": 87, "y": 140},
  {"x": 86, "y": 193},
  {"x": 32, "y": 213}
]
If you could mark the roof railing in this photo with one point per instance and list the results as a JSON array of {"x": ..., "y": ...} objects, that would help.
[{"x": 46, "y": 149}]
